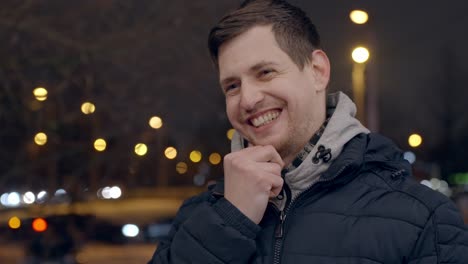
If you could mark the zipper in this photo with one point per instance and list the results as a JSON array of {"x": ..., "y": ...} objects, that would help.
[
  {"x": 279, "y": 230},
  {"x": 279, "y": 238}
]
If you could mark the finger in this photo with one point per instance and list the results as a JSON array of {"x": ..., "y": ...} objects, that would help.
[
  {"x": 275, "y": 191},
  {"x": 277, "y": 187},
  {"x": 270, "y": 167},
  {"x": 272, "y": 155},
  {"x": 276, "y": 182},
  {"x": 265, "y": 154}
]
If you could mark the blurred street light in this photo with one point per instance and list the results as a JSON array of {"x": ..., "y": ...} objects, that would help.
[
  {"x": 170, "y": 152},
  {"x": 40, "y": 138},
  {"x": 215, "y": 158},
  {"x": 409, "y": 156},
  {"x": 14, "y": 222},
  {"x": 39, "y": 225},
  {"x": 359, "y": 16},
  {"x": 105, "y": 192},
  {"x": 41, "y": 196},
  {"x": 195, "y": 156},
  {"x": 415, "y": 140},
  {"x": 40, "y": 93},
  {"x": 230, "y": 133},
  {"x": 88, "y": 108},
  {"x": 130, "y": 230},
  {"x": 13, "y": 199},
  {"x": 100, "y": 144},
  {"x": 115, "y": 192},
  {"x": 29, "y": 198},
  {"x": 141, "y": 149},
  {"x": 181, "y": 167},
  {"x": 60, "y": 192},
  {"x": 360, "y": 55},
  {"x": 156, "y": 122}
]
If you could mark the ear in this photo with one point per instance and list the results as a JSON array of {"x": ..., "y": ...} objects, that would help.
[{"x": 320, "y": 66}]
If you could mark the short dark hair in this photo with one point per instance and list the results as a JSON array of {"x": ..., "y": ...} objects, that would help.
[{"x": 295, "y": 33}]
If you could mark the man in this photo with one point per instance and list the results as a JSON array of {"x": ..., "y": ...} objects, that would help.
[{"x": 305, "y": 182}]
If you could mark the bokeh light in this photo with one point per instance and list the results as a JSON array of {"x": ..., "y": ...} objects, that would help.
[
  {"x": 39, "y": 225},
  {"x": 40, "y": 93},
  {"x": 360, "y": 54},
  {"x": 40, "y": 138},
  {"x": 115, "y": 192},
  {"x": 100, "y": 144},
  {"x": 29, "y": 198},
  {"x": 170, "y": 152},
  {"x": 230, "y": 133},
  {"x": 214, "y": 158},
  {"x": 130, "y": 230},
  {"x": 60, "y": 192},
  {"x": 105, "y": 192},
  {"x": 14, "y": 222},
  {"x": 156, "y": 122},
  {"x": 13, "y": 199},
  {"x": 4, "y": 199},
  {"x": 141, "y": 149},
  {"x": 415, "y": 140},
  {"x": 195, "y": 156},
  {"x": 359, "y": 16},
  {"x": 409, "y": 156},
  {"x": 88, "y": 108},
  {"x": 42, "y": 196},
  {"x": 181, "y": 167}
]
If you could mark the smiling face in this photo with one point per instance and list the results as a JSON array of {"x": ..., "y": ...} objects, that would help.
[{"x": 269, "y": 99}]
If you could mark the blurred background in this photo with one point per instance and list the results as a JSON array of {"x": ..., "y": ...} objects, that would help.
[{"x": 111, "y": 114}]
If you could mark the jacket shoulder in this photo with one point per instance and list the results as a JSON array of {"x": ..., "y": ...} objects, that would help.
[
  {"x": 385, "y": 160},
  {"x": 409, "y": 191},
  {"x": 429, "y": 198}
]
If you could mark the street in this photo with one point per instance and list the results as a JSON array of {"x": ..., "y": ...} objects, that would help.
[{"x": 90, "y": 254}]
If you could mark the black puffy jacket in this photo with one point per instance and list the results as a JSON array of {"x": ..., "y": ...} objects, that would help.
[{"x": 365, "y": 209}]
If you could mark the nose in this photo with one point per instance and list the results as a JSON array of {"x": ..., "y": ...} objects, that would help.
[{"x": 251, "y": 95}]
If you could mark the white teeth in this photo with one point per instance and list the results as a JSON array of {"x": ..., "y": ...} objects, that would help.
[{"x": 264, "y": 119}]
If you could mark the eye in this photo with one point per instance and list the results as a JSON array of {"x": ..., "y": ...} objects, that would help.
[
  {"x": 230, "y": 87},
  {"x": 265, "y": 72}
]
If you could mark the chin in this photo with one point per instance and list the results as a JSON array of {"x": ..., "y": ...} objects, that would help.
[{"x": 275, "y": 142}]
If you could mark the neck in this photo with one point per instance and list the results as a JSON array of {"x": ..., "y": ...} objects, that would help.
[{"x": 297, "y": 155}]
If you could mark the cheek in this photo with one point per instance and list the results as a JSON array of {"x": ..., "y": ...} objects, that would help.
[{"x": 231, "y": 110}]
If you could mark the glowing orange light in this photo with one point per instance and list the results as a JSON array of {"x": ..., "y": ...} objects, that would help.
[
  {"x": 39, "y": 225},
  {"x": 14, "y": 222}
]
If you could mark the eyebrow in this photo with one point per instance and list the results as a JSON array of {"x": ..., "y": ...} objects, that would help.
[{"x": 253, "y": 68}]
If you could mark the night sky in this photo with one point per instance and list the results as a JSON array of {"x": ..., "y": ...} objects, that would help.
[{"x": 136, "y": 59}]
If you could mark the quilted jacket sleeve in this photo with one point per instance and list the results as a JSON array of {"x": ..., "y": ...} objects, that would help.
[
  {"x": 208, "y": 231},
  {"x": 444, "y": 238}
]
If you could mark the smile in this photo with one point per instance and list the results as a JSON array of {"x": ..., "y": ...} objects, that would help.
[{"x": 265, "y": 118}]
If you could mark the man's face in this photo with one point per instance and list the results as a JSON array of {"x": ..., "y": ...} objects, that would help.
[{"x": 269, "y": 100}]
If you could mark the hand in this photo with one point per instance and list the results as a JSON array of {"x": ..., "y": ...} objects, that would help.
[{"x": 252, "y": 176}]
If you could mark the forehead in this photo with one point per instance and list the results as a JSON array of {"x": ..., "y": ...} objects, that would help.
[{"x": 254, "y": 46}]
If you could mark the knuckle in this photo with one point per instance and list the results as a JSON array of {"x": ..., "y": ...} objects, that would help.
[
  {"x": 231, "y": 159},
  {"x": 228, "y": 158},
  {"x": 277, "y": 167},
  {"x": 237, "y": 162},
  {"x": 269, "y": 148}
]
